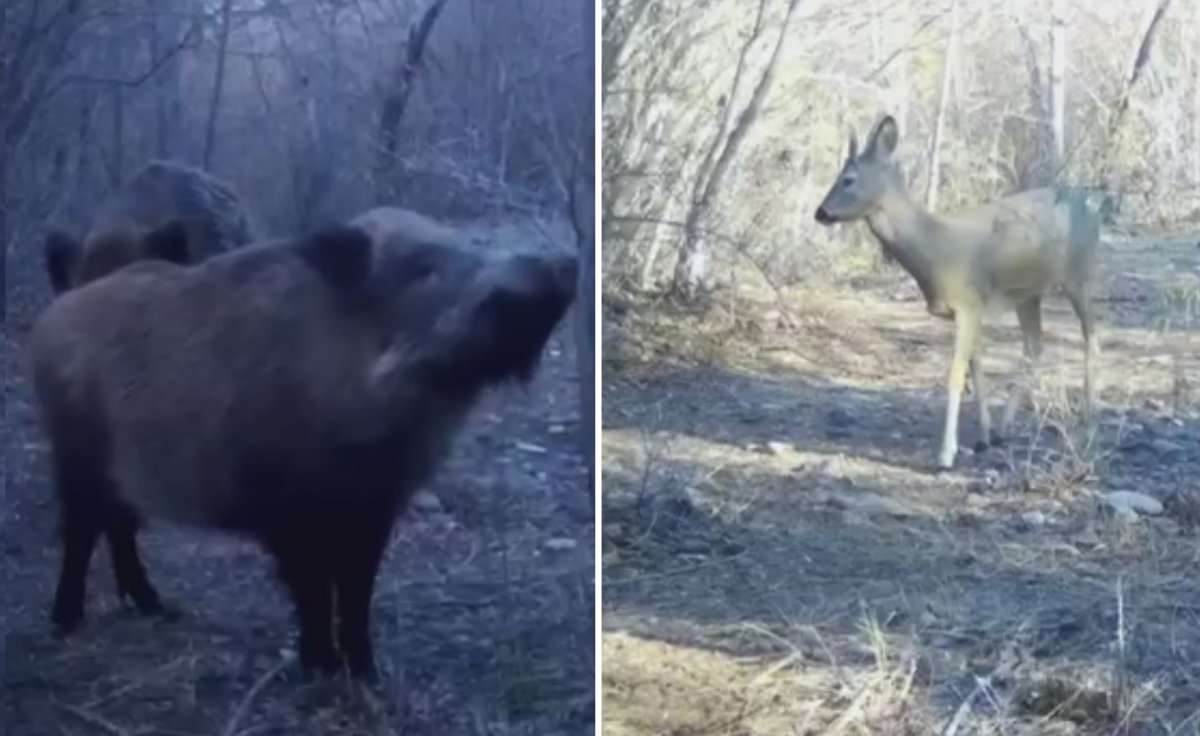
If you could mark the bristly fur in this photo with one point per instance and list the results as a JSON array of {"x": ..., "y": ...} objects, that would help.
[
  {"x": 294, "y": 391},
  {"x": 167, "y": 211}
]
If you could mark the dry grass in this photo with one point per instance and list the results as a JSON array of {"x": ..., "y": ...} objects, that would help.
[{"x": 778, "y": 559}]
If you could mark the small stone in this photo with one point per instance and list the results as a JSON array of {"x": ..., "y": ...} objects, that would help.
[
  {"x": 1167, "y": 450},
  {"x": 425, "y": 501},
  {"x": 1127, "y": 515},
  {"x": 1132, "y": 502},
  {"x": 1034, "y": 518},
  {"x": 840, "y": 418},
  {"x": 836, "y": 502},
  {"x": 778, "y": 448},
  {"x": 698, "y": 547},
  {"x": 560, "y": 544}
]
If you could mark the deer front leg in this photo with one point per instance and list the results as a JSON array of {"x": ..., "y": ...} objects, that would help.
[
  {"x": 966, "y": 329},
  {"x": 981, "y": 396},
  {"x": 1081, "y": 301},
  {"x": 1029, "y": 316}
]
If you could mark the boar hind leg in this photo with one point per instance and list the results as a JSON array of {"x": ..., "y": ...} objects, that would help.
[
  {"x": 132, "y": 581},
  {"x": 307, "y": 577},
  {"x": 85, "y": 497},
  {"x": 80, "y": 531},
  {"x": 356, "y": 563}
]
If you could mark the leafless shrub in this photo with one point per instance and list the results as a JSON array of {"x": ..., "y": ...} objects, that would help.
[
  {"x": 313, "y": 109},
  {"x": 676, "y": 73}
]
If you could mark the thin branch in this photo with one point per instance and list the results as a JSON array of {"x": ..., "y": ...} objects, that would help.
[{"x": 135, "y": 81}]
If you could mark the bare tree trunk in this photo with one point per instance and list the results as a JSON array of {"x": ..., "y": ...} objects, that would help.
[
  {"x": 1196, "y": 108},
  {"x": 1035, "y": 166},
  {"x": 949, "y": 59},
  {"x": 214, "y": 105},
  {"x": 583, "y": 208},
  {"x": 33, "y": 63},
  {"x": 162, "y": 117},
  {"x": 1193, "y": 56},
  {"x": 116, "y": 101},
  {"x": 903, "y": 85},
  {"x": 583, "y": 214},
  {"x": 1058, "y": 70},
  {"x": 1137, "y": 61},
  {"x": 691, "y": 271},
  {"x": 397, "y": 95},
  {"x": 620, "y": 20},
  {"x": 116, "y": 165}
]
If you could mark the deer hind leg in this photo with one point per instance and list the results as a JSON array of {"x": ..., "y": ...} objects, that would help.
[
  {"x": 1029, "y": 316},
  {"x": 981, "y": 394},
  {"x": 1081, "y": 302},
  {"x": 966, "y": 334}
]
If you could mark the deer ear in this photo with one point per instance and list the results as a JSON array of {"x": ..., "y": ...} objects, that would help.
[
  {"x": 881, "y": 143},
  {"x": 852, "y": 153}
]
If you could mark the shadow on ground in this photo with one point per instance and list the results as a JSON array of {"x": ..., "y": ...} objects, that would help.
[{"x": 778, "y": 557}]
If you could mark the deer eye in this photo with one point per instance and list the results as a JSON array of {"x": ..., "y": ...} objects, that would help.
[{"x": 847, "y": 182}]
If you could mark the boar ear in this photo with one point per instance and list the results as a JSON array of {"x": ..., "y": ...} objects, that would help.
[
  {"x": 341, "y": 254},
  {"x": 168, "y": 242},
  {"x": 62, "y": 256}
]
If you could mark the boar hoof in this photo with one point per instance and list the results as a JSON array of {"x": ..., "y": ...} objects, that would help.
[
  {"x": 363, "y": 670},
  {"x": 66, "y": 620},
  {"x": 314, "y": 663},
  {"x": 165, "y": 612}
]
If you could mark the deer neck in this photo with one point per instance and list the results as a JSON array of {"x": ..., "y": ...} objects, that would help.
[{"x": 910, "y": 235}]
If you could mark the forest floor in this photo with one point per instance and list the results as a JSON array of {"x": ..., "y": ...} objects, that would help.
[
  {"x": 484, "y": 609},
  {"x": 778, "y": 557}
]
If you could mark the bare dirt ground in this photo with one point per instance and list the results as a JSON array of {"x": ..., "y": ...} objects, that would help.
[
  {"x": 779, "y": 559},
  {"x": 483, "y": 611}
]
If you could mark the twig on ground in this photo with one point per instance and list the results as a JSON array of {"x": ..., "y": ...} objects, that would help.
[
  {"x": 678, "y": 571},
  {"x": 963, "y": 710},
  {"x": 94, "y": 719},
  {"x": 244, "y": 706}
]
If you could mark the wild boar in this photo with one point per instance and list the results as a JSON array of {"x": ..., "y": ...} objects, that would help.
[
  {"x": 166, "y": 211},
  {"x": 296, "y": 391},
  {"x": 379, "y": 222}
]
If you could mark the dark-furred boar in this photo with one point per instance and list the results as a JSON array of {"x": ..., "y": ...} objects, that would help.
[
  {"x": 166, "y": 211},
  {"x": 297, "y": 391}
]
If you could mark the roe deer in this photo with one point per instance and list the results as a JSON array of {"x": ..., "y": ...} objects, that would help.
[{"x": 1009, "y": 252}]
